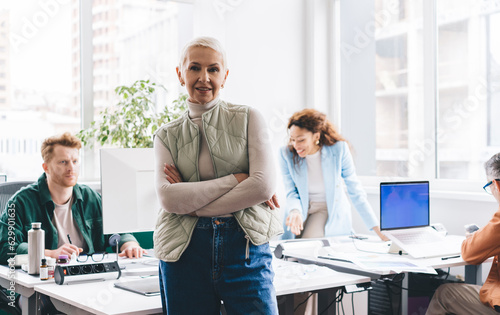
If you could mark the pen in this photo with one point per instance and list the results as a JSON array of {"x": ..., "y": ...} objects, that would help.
[
  {"x": 336, "y": 259},
  {"x": 69, "y": 239},
  {"x": 450, "y": 257}
]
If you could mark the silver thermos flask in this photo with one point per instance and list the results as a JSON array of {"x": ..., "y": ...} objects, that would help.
[{"x": 36, "y": 247}]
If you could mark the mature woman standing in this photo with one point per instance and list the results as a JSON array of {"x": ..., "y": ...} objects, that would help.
[
  {"x": 215, "y": 182},
  {"x": 314, "y": 164}
]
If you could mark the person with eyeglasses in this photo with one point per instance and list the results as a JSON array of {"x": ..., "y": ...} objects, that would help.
[
  {"x": 462, "y": 298},
  {"x": 70, "y": 213}
]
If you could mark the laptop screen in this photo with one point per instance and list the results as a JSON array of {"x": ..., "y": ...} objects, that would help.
[{"x": 404, "y": 205}]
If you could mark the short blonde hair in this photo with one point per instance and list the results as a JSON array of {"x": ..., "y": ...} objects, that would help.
[
  {"x": 204, "y": 41},
  {"x": 66, "y": 139}
]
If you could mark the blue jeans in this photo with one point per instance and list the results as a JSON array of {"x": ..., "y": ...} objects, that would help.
[{"x": 214, "y": 268}]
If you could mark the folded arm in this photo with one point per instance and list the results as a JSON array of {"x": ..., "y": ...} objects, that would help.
[
  {"x": 185, "y": 197},
  {"x": 260, "y": 184}
]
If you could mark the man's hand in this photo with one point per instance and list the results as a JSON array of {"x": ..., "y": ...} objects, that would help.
[
  {"x": 66, "y": 249},
  {"x": 294, "y": 221},
  {"x": 131, "y": 250}
]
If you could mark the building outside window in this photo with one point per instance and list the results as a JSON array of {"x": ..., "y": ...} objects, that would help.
[
  {"x": 468, "y": 89},
  {"x": 40, "y": 74}
]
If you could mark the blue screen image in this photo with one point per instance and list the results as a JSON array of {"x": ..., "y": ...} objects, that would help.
[{"x": 404, "y": 205}]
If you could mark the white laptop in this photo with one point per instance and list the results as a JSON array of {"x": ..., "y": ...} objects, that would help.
[{"x": 404, "y": 219}]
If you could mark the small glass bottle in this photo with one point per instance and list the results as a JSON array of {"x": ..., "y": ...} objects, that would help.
[
  {"x": 63, "y": 259},
  {"x": 51, "y": 264},
  {"x": 44, "y": 270}
]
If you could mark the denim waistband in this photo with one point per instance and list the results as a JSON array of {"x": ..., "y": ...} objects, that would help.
[{"x": 217, "y": 222}]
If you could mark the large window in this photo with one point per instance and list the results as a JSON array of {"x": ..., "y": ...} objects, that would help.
[
  {"x": 37, "y": 95},
  {"x": 453, "y": 135},
  {"x": 41, "y": 75},
  {"x": 135, "y": 40}
]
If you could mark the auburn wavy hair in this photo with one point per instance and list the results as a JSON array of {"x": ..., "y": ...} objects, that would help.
[
  {"x": 314, "y": 121},
  {"x": 66, "y": 140}
]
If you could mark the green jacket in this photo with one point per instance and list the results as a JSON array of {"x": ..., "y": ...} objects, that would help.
[
  {"x": 225, "y": 127},
  {"x": 34, "y": 204}
]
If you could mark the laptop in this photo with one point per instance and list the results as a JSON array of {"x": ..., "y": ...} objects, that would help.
[
  {"x": 146, "y": 286},
  {"x": 405, "y": 220}
]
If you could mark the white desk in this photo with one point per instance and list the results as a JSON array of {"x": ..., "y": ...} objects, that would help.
[
  {"x": 99, "y": 298},
  {"x": 104, "y": 298},
  {"x": 346, "y": 245},
  {"x": 23, "y": 284},
  {"x": 288, "y": 281}
]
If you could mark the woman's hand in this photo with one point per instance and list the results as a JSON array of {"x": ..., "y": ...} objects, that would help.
[
  {"x": 273, "y": 202},
  {"x": 294, "y": 221},
  {"x": 240, "y": 177},
  {"x": 376, "y": 229},
  {"x": 173, "y": 175}
]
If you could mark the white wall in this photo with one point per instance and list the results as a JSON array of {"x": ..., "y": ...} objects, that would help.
[
  {"x": 265, "y": 50},
  {"x": 357, "y": 91}
]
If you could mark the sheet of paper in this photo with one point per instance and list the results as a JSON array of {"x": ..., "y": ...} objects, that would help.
[{"x": 376, "y": 262}]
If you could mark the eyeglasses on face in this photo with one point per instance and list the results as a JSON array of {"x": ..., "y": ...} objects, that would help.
[
  {"x": 487, "y": 187},
  {"x": 96, "y": 257}
]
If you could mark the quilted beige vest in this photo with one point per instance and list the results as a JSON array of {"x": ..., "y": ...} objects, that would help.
[{"x": 225, "y": 125}]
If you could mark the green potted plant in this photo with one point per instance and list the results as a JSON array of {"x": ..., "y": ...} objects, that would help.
[{"x": 132, "y": 122}]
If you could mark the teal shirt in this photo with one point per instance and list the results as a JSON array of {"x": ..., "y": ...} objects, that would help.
[{"x": 34, "y": 204}]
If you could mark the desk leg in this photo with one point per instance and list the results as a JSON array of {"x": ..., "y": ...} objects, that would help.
[
  {"x": 473, "y": 274},
  {"x": 404, "y": 294},
  {"x": 29, "y": 304},
  {"x": 285, "y": 304},
  {"x": 326, "y": 299}
]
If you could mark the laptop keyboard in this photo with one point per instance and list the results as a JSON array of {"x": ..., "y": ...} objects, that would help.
[{"x": 416, "y": 237}]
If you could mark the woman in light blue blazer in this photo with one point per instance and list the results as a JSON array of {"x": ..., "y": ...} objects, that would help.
[{"x": 315, "y": 165}]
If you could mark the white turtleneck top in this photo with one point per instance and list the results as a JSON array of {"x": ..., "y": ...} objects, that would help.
[
  {"x": 315, "y": 178},
  {"x": 222, "y": 196}
]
